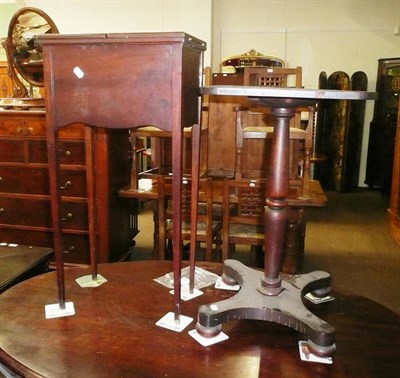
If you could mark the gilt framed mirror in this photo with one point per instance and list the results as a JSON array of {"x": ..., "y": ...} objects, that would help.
[{"x": 24, "y": 54}]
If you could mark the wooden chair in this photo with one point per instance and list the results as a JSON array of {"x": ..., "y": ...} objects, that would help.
[
  {"x": 252, "y": 157},
  {"x": 246, "y": 225},
  {"x": 253, "y": 125},
  {"x": 160, "y": 145},
  {"x": 273, "y": 77},
  {"x": 208, "y": 229}
]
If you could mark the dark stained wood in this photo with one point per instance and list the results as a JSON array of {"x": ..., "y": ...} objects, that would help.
[
  {"x": 25, "y": 209},
  {"x": 120, "y": 81},
  {"x": 250, "y": 305},
  {"x": 19, "y": 262},
  {"x": 245, "y": 226},
  {"x": 382, "y": 130},
  {"x": 114, "y": 335},
  {"x": 317, "y": 195}
]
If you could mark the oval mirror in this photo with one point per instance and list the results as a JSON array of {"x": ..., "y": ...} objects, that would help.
[{"x": 26, "y": 53}]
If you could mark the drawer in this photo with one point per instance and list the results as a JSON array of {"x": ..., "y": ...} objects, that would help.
[
  {"x": 23, "y": 126},
  {"x": 73, "y": 183},
  {"x": 26, "y": 180},
  {"x": 71, "y": 152},
  {"x": 74, "y": 216},
  {"x": 37, "y": 213},
  {"x": 76, "y": 248},
  {"x": 12, "y": 151}
]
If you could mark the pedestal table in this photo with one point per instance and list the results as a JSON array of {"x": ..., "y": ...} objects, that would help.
[{"x": 266, "y": 296}]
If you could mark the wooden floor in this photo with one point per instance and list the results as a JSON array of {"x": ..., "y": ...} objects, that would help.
[{"x": 349, "y": 238}]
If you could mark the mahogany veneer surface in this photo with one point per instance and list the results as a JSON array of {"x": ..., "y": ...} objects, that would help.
[{"x": 113, "y": 333}]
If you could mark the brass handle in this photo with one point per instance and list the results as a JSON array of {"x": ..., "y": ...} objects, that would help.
[
  {"x": 2, "y": 210},
  {"x": 70, "y": 249},
  {"x": 66, "y": 185},
  {"x": 67, "y": 217},
  {"x": 23, "y": 131},
  {"x": 67, "y": 153}
]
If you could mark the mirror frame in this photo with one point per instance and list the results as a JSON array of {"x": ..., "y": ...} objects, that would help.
[{"x": 10, "y": 48}]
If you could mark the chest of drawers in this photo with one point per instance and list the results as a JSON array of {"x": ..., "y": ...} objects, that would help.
[{"x": 25, "y": 209}]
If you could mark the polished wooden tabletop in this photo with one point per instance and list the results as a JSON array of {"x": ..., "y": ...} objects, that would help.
[
  {"x": 19, "y": 262},
  {"x": 113, "y": 333},
  {"x": 287, "y": 94}
]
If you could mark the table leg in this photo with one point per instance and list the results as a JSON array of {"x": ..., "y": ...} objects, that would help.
[
  {"x": 54, "y": 178},
  {"x": 177, "y": 157}
]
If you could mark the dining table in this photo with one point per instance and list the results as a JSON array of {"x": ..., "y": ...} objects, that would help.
[{"x": 114, "y": 332}]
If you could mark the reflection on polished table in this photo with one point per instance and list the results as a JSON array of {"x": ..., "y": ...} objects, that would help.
[{"x": 113, "y": 333}]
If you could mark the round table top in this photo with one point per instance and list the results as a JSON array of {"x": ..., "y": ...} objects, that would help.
[
  {"x": 287, "y": 93},
  {"x": 113, "y": 332}
]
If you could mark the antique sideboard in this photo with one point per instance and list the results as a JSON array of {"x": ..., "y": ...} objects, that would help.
[{"x": 25, "y": 209}]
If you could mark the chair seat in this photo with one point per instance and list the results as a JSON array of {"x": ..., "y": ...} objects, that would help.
[
  {"x": 262, "y": 132},
  {"x": 246, "y": 231},
  {"x": 153, "y": 131},
  {"x": 201, "y": 227}
]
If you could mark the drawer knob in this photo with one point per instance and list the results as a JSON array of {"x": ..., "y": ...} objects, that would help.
[
  {"x": 66, "y": 185},
  {"x": 67, "y": 217},
  {"x": 2, "y": 210},
  {"x": 24, "y": 131},
  {"x": 67, "y": 153}
]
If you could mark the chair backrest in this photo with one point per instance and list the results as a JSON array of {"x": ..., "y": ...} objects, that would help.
[
  {"x": 165, "y": 214},
  {"x": 273, "y": 77},
  {"x": 159, "y": 145},
  {"x": 248, "y": 196},
  {"x": 246, "y": 163},
  {"x": 246, "y": 224}
]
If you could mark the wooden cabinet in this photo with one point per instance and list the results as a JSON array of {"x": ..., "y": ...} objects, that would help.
[
  {"x": 383, "y": 126},
  {"x": 394, "y": 208},
  {"x": 25, "y": 209}
]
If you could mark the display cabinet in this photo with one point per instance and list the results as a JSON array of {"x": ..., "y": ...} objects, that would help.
[{"x": 383, "y": 126}]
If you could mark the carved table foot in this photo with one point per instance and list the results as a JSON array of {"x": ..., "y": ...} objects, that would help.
[{"x": 286, "y": 308}]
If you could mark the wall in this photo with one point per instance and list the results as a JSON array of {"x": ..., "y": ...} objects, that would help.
[
  {"x": 319, "y": 35},
  {"x": 92, "y": 16},
  {"x": 7, "y": 9}
]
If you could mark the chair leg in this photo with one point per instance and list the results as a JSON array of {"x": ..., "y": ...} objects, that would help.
[
  {"x": 225, "y": 249},
  {"x": 218, "y": 247}
]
